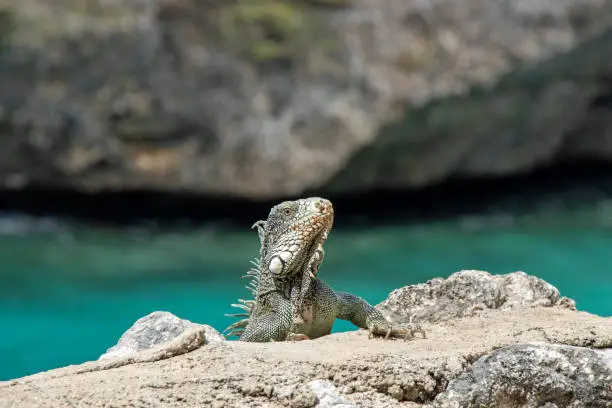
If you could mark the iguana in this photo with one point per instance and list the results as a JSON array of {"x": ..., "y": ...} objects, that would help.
[{"x": 290, "y": 302}]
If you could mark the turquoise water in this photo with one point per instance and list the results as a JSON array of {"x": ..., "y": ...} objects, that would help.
[{"x": 68, "y": 292}]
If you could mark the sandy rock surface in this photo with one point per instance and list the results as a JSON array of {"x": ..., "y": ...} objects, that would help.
[
  {"x": 347, "y": 368},
  {"x": 491, "y": 340}
]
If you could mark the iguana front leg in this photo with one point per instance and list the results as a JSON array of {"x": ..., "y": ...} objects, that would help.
[{"x": 363, "y": 315}]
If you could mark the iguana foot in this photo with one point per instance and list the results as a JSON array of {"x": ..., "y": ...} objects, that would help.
[
  {"x": 381, "y": 327},
  {"x": 376, "y": 332},
  {"x": 404, "y": 331},
  {"x": 296, "y": 337},
  {"x": 378, "y": 326}
]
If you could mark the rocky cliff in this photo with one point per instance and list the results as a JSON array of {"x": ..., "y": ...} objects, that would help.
[{"x": 264, "y": 99}]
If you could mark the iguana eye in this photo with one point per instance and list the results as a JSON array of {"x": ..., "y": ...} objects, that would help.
[{"x": 287, "y": 211}]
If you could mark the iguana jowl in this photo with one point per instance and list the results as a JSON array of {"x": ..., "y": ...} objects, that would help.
[{"x": 289, "y": 299}]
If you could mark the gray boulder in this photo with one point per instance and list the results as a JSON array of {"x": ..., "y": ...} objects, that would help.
[
  {"x": 533, "y": 376},
  {"x": 607, "y": 355},
  {"x": 466, "y": 292},
  {"x": 155, "y": 329}
]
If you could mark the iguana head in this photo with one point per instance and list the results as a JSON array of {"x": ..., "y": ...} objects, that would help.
[{"x": 294, "y": 230}]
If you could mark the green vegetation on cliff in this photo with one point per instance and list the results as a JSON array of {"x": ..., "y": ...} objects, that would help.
[
  {"x": 258, "y": 30},
  {"x": 7, "y": 27},
  {"x": 264, "y": 30}
]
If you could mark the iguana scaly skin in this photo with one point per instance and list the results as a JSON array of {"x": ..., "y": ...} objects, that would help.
[
  {"x": 290, "y": 302},
  {"x": 292, "y": 248}
]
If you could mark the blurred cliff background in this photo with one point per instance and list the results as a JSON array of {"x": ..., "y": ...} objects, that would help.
[{"x": 139, "y": 140}]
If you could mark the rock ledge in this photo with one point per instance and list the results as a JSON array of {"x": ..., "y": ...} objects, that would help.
[{"x": 522, "y": 352}]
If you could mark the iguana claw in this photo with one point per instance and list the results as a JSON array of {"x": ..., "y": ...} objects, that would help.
[{"x": 405, "y": 332}]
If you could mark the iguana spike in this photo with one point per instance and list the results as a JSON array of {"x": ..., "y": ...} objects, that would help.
[
  {"x": 258, "y": 224},
  {"x": 236, "y": 315},
  {"x": 243, "y": 307},
  {"x": 235, "y": 332},
  {"x": 236, "y": 328},
  {"x": 261, "y": 230}
]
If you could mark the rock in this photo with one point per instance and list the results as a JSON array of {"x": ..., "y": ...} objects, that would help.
[
  {"x": 465, "y": 293},
  {"x": 328, "y": 396},
  {"x": 158, "y": 95},
  {"x": 532, "y": 376},
  {"x": 155, "y": 329},
  {"x": 369, "y": 372},
  {"x": 607, "y": 354}
]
